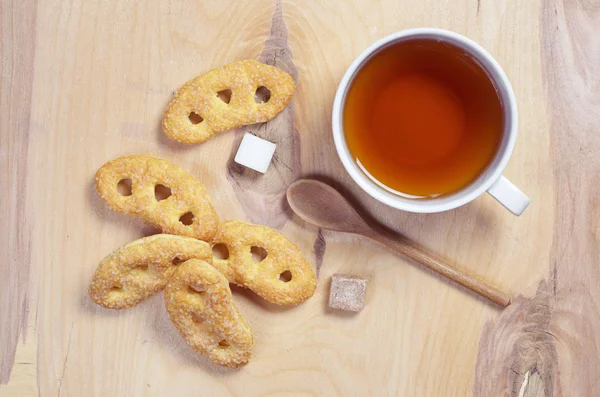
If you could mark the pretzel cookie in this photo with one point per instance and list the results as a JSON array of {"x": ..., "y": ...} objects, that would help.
[
  {"x": 141, "y": 268},
  {"x": 282, "y": 276},
  {"x": 197, "y": 113},
  {"x": 184, "y": 208},
  {"x": 200, "y": 305}
]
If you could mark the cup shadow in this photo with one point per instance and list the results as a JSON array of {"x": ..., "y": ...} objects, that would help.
[{"x": 436, "y": 225}]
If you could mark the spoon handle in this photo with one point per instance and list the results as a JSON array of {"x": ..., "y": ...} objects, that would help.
[{"x": 411, "y": 250}]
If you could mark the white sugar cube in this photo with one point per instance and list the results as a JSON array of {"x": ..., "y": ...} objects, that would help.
[{"x": 255, "y": 153}]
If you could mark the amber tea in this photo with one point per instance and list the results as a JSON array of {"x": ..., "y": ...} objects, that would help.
[{"x": 422, "y": 118}]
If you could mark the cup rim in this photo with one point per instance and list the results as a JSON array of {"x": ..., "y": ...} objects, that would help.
[{"x": 462, "y": 197}]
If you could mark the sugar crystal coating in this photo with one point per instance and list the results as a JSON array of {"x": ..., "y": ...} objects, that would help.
[
  {"x": 189, "y": 198},
  {"x": 266, "y": 277},
  {"x": 140, "y": 269},
  {"x": 199, "y": 97},
  {"x": 199, "y": 302}
]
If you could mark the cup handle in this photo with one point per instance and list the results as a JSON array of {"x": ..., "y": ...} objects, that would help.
[{"x": 509, "y": 196}]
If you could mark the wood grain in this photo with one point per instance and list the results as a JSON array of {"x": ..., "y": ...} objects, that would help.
[
  {"x": 442, "y": 267},
  {"x": 556, "y": 334},
  {"x": 16, "y": 81},
  {"x": 84, "y": 82},
  {"x": 263, "y": 196}
]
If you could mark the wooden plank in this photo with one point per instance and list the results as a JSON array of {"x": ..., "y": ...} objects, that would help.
[
  {"x": 17, "y": 46},
  {"x": 100, "y": 76},
  {"x": 555, "y": 334}
]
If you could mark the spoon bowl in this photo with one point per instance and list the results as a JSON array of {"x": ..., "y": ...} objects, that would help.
[{"x": 321, "y": 205}]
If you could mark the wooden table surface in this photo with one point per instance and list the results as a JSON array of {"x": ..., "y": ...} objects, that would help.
[{"x": 84, "y": 82}]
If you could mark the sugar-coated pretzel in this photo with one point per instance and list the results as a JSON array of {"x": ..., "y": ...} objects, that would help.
[
  {"x": 141, "y": 268},
  {"x": 200, "y": 305},
  {"x": 198, "y": 98},
  {"x": 188, "y": 210},
  {"x": 283, "y": 276}
]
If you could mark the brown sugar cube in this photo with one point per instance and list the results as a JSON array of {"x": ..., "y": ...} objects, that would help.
[{"x": 347, "y": 292}]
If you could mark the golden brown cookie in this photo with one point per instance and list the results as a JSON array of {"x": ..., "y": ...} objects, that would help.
[
  {"x": 141, "y": 268},
  {"x": 159, "y": 192},
  {"x": 200, "y": 305},
  {"x": 197, "y": 113},
  {"x": 283, "y": 276}
]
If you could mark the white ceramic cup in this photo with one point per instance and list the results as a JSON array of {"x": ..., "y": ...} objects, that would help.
[{"x": 491, "y": 180}]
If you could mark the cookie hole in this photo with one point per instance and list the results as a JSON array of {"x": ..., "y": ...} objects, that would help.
[
  {"x": 197, "y": 318},
  {"x": 220, "y": 251},
  {"x": 262, "y": 95},
  {"x": 224, "y": 95},
  {"x": 195, "y": 118},
  {"x": 161, "y": 192},
  {"x": 224, "y": 343},
  {"x": 258, "y": 253},
  {"x": 187, "y": 218},
  {"x": 196, "y": 289},
  {"x": 177, "y": 260},
  {"x": 124, "y": 187},
  {"x": 286, "y": 276}
]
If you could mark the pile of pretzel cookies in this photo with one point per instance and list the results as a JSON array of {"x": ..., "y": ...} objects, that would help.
[{"x": 180, "y": 260}]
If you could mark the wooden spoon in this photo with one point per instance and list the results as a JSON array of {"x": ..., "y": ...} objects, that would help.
[{"x": 323, "y": 206}]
